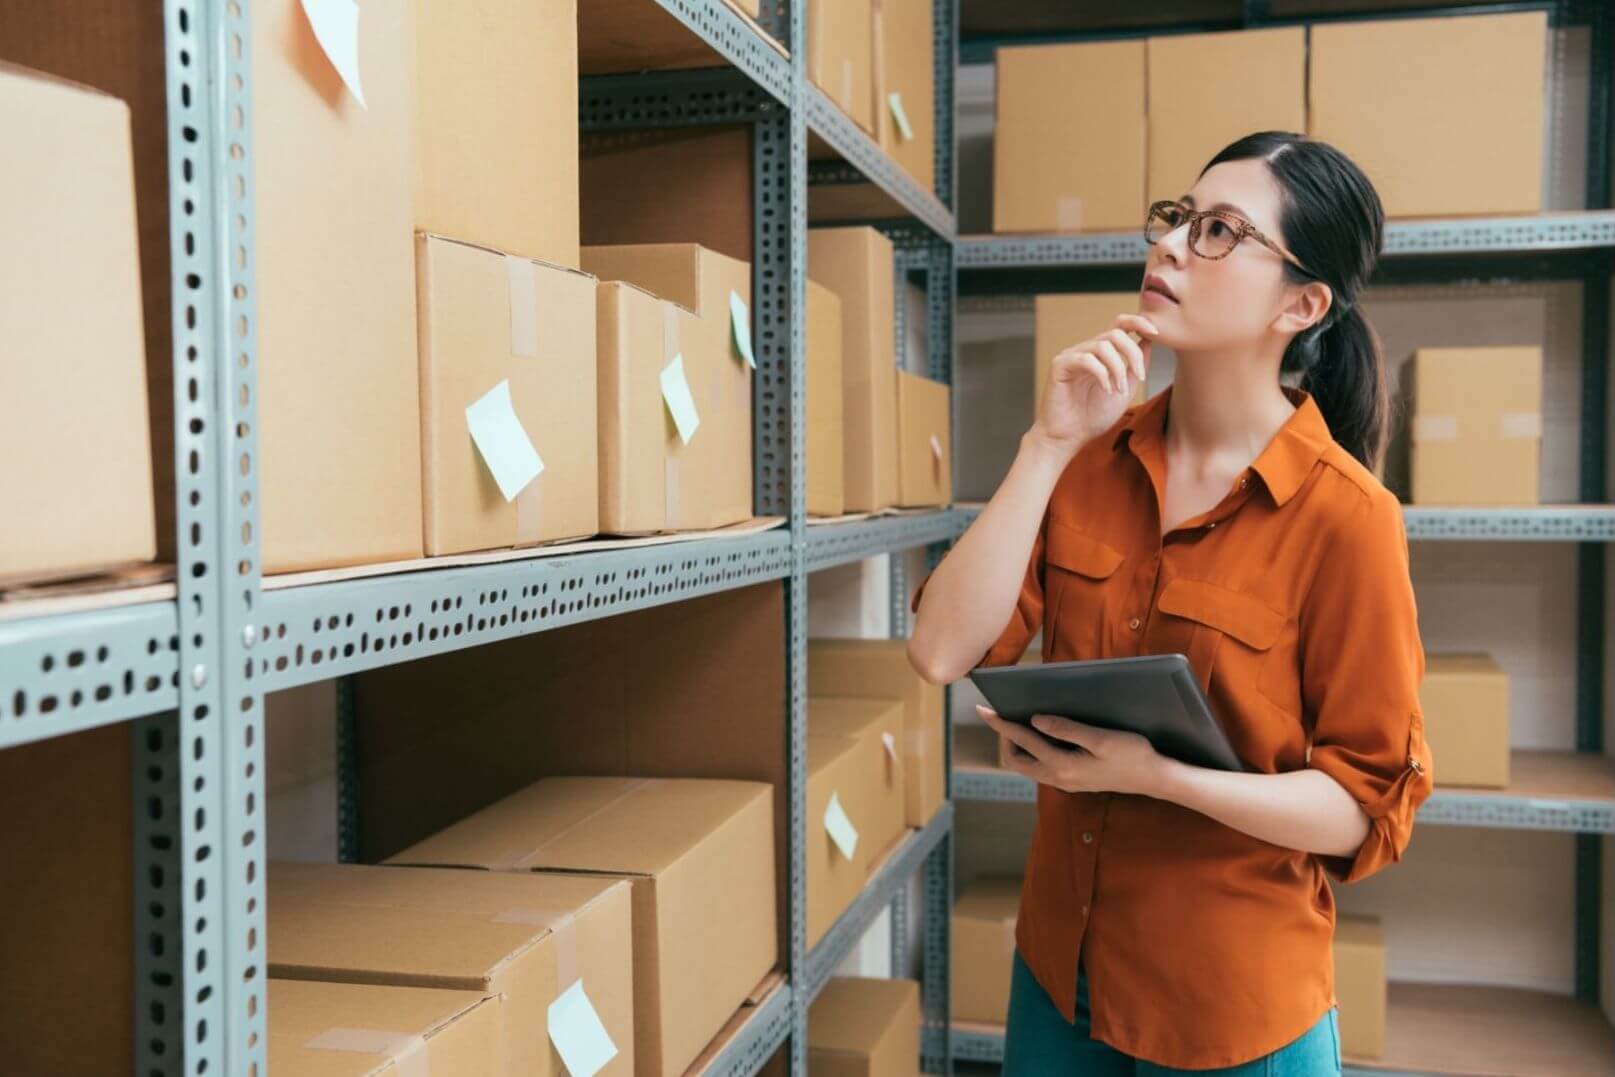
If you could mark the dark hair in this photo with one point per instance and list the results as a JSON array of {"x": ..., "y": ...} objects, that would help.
[{"x": 1333, "y": 222}]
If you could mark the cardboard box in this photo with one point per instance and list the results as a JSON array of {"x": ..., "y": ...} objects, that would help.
[
  {"x": 835, "y": 877},
  {"x": 984, "y": 948},
  {"x": 879, "y": 669},
  {"x": 1049, "y": 171},
  {"x": 1475, "y": 425},
  {"x": 1465, "y": 701},
  {"x": 629, "y": 36},
  {"x": 490, "y": 320},
  {"x": 339, "y": 461},
  {"x": 73, "y": 381},
  {"x": 1192, "y": 118},
  {"x": 360, "y": 1030},
  {"x": 636, "y": 438},
  {"x": 860, "y": 1027},
  {"x": 924, "y": 442},
  {"x": 700, "y": 855},
  {"x": 669, "y": 185},
  {"x": 1360, "y": 985},
  {"x": 826, "y": 429},
  {"x": 708, "y": 482},
  {"x": 905, "y": 67},
  {"x": 841, "y": 56},
  {"x": 497, "y": 126},
  {"x": 876, "y": 725},
  {"x": 1467, "y": 95},
  {"x": 856, "y": 264},
  {"x": 528, "y": 937},
  {"x": 1060, "y": 321}
]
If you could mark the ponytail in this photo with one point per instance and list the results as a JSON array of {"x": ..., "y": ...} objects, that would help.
[{"x": 1343, "y": 366}]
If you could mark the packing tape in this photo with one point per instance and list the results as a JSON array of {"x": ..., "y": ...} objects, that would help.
[
  {"x": 528, "y": 860},
  {"x": 919, "y": 741},
  {"x": 563, "y": 930},
  {"x": 672, "y": 503},
  {"x": 406, "y": 1051},
  {"x": 845, "y": 97},
  {"x": 1522, "y": 424},
  {"x": 1068, "y": 213},
  {"x": 1435, "y": 428},
  {"x": 530, "y": 514},
  {"x": 523, "y": 277}
]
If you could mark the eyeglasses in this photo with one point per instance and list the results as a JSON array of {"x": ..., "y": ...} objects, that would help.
[{"x": 1213, "y": 233}]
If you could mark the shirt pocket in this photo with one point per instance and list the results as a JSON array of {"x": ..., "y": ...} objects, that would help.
[
  {"x": 1079, "y": 570},
  {"x": 1232, "y": 640}
]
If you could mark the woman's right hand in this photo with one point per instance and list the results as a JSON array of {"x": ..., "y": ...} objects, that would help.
[{"x": 1091, "y": 384}]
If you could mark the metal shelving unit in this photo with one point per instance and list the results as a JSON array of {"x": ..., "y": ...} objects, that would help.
[{"x": 188, "y": 673}]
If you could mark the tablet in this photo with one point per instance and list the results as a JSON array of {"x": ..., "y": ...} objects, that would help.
[{"x": 1154, "y": 694}]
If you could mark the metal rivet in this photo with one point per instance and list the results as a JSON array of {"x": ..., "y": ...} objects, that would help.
[{"x": 198, "y": 676}]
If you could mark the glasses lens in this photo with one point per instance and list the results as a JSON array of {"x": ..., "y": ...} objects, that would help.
[
  {"x": 1162, "y": 219},
  {"x": 1217, "y": 237}
]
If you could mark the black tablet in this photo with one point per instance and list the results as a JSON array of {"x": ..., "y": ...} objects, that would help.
[{"x": 1154, "y": 694}]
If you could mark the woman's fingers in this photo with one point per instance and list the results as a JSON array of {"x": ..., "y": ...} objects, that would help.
[
  {"x": 1027, "y": 739},
  {"x": 1138, "y": 324},
  {"x": 1130, "y": 351},
  {"x": 1073, "y": 362},
  {"x": 1111, "y": 356}
]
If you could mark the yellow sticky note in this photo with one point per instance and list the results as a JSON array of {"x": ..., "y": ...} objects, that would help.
[{"x": 680, "y": 402}]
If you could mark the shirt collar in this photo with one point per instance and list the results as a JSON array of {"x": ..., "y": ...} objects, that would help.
[{"x": 1283, "y": 465}]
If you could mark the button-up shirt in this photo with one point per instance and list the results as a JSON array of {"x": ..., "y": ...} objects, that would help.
[{"x": 1203, "y": 946}]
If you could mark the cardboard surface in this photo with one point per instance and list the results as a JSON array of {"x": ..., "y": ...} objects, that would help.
[
  {"x": 1062, "y": 169},
  {"x": 634, "y": 439},
  {"x": 905, "y": 65},
  {"x": 879, "y": 669},
  {"x": 1060, "y": 321},
  {"x": 73, "y": 382},
  {"x": 497, "y": 126},
  {"x": 826, "y": 429},
  {"x": 1192, "y": 117},
  {"x": 1359, "y": 952},
  {"x": 856, "y": 264},
  {"x": 924, "y": 442},
  {"x": 984, "y": 948},
  {"x": 1468, "y": 97},
  {"x": 673, "y": 185},
  {"x": 339, "y": 462},
  {"x": 527, "y": 937},
  {"x": 1465, "y": 701},
  {"x": 834, "y": 879},
  {"x": 487, "y": 318},
  {"x": 352, "y": 1030},
  {"x": 841, "y": 56},
  {"x": 700, "y": 856},
  {"x": 860, "y": 1027},
  {"x": 877, "y": 727},
  {"x": 617, "y": 36},
  {"x": 1474, "y": 425},
  {"x": 708, "y": 482}
]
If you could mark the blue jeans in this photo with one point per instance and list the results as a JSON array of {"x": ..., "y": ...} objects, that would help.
[{"x": 1040, "y": 1043}]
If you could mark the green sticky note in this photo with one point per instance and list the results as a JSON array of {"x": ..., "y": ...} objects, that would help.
[
  {"x": 502, "y": 441},
  {"x": 680, "y": 403},
  {"x": 579, "y": 1036},
  {"x": 904, "y": 128},
  {"x": 839, "y": 827},
  {"x": 740, "y": 317}
]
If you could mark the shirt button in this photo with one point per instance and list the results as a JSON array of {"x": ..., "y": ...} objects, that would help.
[
  {"x": 1134, "y": 623},
  {"x": 1085, "y": 910},
  {"x": 1211, "y": 525},
  {"x": 1087, "y": 837},
  {"x": 1242, "y": 481}
]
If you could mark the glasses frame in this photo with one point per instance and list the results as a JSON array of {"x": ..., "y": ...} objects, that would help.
[{"x": 1242, "y": 229}]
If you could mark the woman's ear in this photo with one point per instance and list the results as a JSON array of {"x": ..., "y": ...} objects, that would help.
[{"x": 1308, "y": 306}]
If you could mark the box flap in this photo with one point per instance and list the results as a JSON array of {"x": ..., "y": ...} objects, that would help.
[
  {"x": 852, "y": 1013},
  {"x": 1461, "y": 664},
  {"x": 846, "y": 717},
  {"x": 301, "y": 1013},
  {"x": 429, "y": 238},
  {"x": 1359, "y": 931},
  {"x": 991, "y": 897}
]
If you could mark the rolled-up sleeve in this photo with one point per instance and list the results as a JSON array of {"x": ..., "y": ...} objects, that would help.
[
  {"x": 1361, "y": 664},
  {"x": 1027, "y": 618}
]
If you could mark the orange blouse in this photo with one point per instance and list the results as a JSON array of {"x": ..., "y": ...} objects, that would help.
[{"x": 1205, "y": 947}]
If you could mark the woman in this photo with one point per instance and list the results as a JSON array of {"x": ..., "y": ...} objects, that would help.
[{"x": 1175, "y": 917}]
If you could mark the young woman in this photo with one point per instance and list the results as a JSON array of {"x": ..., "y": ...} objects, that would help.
[{"x": 1175, "y": 917}]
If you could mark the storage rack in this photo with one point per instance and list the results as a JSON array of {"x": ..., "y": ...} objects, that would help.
[
  {"x": 187, "y": 672},
  {"x": 1555, "y": 791}
]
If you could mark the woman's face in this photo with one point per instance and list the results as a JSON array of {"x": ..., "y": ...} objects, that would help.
[{"x": 1233, "y": 301}]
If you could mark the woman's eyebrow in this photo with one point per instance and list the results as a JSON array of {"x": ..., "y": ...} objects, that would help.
[{"x": 1188, "y": 200}]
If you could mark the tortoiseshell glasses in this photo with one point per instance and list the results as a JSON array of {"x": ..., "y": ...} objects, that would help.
[{"x": 1213, "y": 233}]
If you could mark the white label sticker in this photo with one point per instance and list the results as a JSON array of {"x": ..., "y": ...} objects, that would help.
[
  {"x": 936, "y": 446},
  {"x": 839, "y": 827},
  {"x": 890, "y": 743},
  {"x": 502, "y": 441},
  {"x": 336, "y": 28},
  {"x": 676, "y": 391},
  {"x": 904, "y": 128},
  {"x": 578, "y": 1033},
  {"x": 740, "y": 317}
]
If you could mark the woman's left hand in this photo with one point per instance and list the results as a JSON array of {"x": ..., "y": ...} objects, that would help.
[{"x": 1106, "y": 760}]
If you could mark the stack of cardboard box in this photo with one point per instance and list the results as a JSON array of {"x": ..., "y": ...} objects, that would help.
[
  {"x": 1474, "y": 429},
  {"x": 984, "y": 949},
  {"x": 860, "y": 1027}
]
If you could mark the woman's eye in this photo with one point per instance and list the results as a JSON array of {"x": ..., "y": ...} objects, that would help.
[{"x": 1217, "y": 229}]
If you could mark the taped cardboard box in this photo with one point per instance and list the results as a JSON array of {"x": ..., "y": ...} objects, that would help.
[
  {"x": 879, "y": 669},
  {"x": 678, "y": 185},
  {"x": 1475, "y": 425},
  {"x": 1048, "y": 175},
  {"x": 338, "y": 461},
  {"x": 1468, "y": 98},
  {"x": 1359, "y": 952},
  {"x": 360, "y": 1030},
  {"x": 857, "y": 265},
  {"x": 536, "y": 939},
  {"x": 841, "y": 56},
  {"x": 905, "y": 86},
  {"x": 1060, "y": 321},
  {"x": 924, "y": 442},
  {"x": 837, "y": 851},
  {"x": 861, "y": 1027},
  {"x": 984, "y": 948},
  {"x": 876, "y": 725},
  {"x": 826, "y": 430},
  {"x": 1465, "y": 702},
  {"x": 497, "y": 124},
  {"x": 700, "y": 857},
  {"x": 73, "y": 381},
  {"x": 508, "y": 401},
  {"x": 636, "y": 435},
  {"x": 1192, "y": 118},
  {"x": 708, "y": 479}
]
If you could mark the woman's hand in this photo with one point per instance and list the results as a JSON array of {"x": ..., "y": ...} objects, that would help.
[
  {"x": 1090, "y": 384},
  {"x": 1107, "y": 760}
]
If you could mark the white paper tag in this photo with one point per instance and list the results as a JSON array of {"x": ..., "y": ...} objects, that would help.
[
  {"x": 936, "y": 446},
  {"x": 904, "y": 128},
  {"x": 676, "y": 392},
  {"x": 839, "y": 827},
  {"x": 336, "y": 28},
  {"x": 740, "y": 316},
  {"x": 890, "y": 743},
  {"x": 578, "y": 1034},
  {"x": 502, "y": 441}
]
